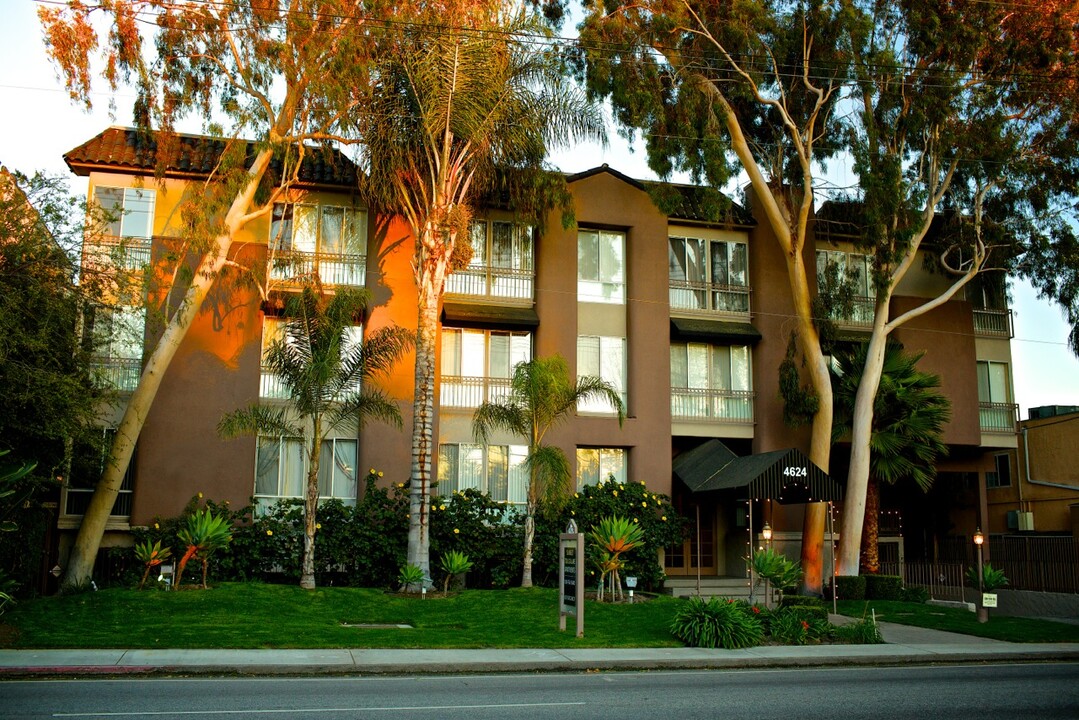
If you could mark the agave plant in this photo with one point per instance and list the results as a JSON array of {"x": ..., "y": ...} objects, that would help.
[
  {"x": 203, "y": 534},
  {"x": 992, "y": 578},
  {"x": 613, "y": 536},
  {"x": 774, "y": 567},
  {"x": 151, "y": 556},
  {"x": 410, "y": 576},
  {"x": 454, "y": 563}
]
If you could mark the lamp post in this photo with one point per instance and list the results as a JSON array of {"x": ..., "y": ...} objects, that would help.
[
  {"x": 979, "y": 540},
  {"x": 766, "y": 533}
]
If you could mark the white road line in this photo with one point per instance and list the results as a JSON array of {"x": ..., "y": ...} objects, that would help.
[{"x": 410, "y": 708}]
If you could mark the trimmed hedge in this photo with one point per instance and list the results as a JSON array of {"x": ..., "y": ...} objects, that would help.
[
  {"x": 850, "y": 587},
  {"x": 883, "y": 587}
]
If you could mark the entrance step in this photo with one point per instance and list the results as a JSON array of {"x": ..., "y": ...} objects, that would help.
[{"x": 710, "y": 587}]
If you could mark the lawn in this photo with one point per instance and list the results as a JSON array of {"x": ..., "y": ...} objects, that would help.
[
  {"x": 1012, "y": 629},
  {"x": 254, "y": 615}
]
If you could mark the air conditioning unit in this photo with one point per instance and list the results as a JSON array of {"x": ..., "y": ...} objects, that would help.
[{"x": 1026, "y": 521}]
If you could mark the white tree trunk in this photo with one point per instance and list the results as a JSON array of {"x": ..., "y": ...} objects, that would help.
[
  {"x": 81, "y": 561},
  {"x": 530, "y": 536},
  {"x": 310, "y": 509}
]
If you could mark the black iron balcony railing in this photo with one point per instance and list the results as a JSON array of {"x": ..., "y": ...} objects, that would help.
[
  {"x": 121, "y": 374},
  {"x": 491, "y": 282},
  {"x": 709, "y": 297},
  {"x": 860, "y": 315},
  {"x": 731, "y": 406},
  {"x": 458, "y": 391},
  {"x": 333, "y": 269},
  {"x": 998, "y": 417},
  {"x": 993, "y": 323},
  {"x": 127, "y": 253}
]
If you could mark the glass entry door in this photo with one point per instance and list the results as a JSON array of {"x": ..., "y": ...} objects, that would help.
[{"x": 698, "y": 551}]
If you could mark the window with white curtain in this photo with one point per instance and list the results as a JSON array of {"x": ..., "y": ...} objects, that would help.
[
  {"x": 497, "y": 470},
  {"x": 599, "y": 465},
  {"x": 329, "y": 240},
  {"x": 711, "y": 381},
  {"x": 601, "y": 273},
  {"x": 281, "y": 470},
  {"x": 993, "y": 382},
  {"x": 703, "y": 273},
  {"x": 603, "y": 357},
  {"x": 130, "y": 210},
  {"x": 477, "y": 365}
]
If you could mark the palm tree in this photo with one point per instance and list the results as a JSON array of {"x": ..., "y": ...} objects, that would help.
[
  {"x": 909, "y": 415},
  {"x": 468, "y": 104},
  {"x": 541, "y": 395},
  {"x": 327, "y": 379}
]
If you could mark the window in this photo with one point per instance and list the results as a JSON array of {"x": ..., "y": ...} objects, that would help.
[
  {"x": 130, "y": 210},
  {"x": 273, "y": 330},
  {"x": 118, "y": 338},
  {"x": 281, "y": 470},
  {"x": 601, "y": 276},
  {"x": 477, "y": 364},
  {"x": 855, "y": 268},
  {"x": 501, "y": 264},
  {"x": 325, "y": 239},
  {"x": 711, "y": 382},
  {"x": 605, "y": 358},
  {"x": 600, "y": 465},
  {"x": 1002, "y": 476},
  {"x": 88, "y": 459},
  {"x": 996, "y": 411},
  {"x": 497, "y": 470},
  {"x": 708, "y": 275}
]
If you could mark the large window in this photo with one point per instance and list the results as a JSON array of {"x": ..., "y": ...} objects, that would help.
[
  {"x": 605, "y": 358},
  {"x": 324, "y": 239},
  {"x": 1002, "y": 476},
  {"x": 708, "y": 275},
  {"x": 273, "y": 330},
  {"x": 853, "y": 268},
  {"x": 118, "y": 338},
  {"x": 477, "y": 364},
  {"x": 281, "y": 470},
  {"x": 88, "y": 462},
  {"x": 711, "y": 382},
  {"x": 996, "y": 412},
  {"x": 601, "y": 274},
  {"x": 501, "y": 264},
  {"x": 599, "y": 465},
  {"x": 497, "y": 470},
  {"x": 124, "y": 240}
]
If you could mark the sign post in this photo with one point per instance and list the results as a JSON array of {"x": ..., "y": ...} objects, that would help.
[{"x": 571, "y": 577}]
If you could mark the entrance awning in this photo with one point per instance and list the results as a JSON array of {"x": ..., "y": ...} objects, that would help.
[{"x": 787, "y": 476}]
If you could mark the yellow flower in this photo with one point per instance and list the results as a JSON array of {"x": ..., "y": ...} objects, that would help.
[
  {"x": 576, "y": 495},
  {"x": 642, "y": 482},
  {"x": 371, "y": 471},
  {"x": 621, "y": 486},
  {"x": 156, "y": 526},
  {"x": 200, "y": 496},
  {"x": 400, "y": 485},
  {"x": 636, "y": 520},
  {"x": 318, "y": 526},
  {"x": 380, "y": 473},
  {"x": 614, "y": 492},
  {"x": 441, "y": 507},
  {"x": 456, "y": 531},
  {"x": 644, "y": 504},
  {"x": 269, "y": 532},
  {"x": 664, "y": 518},
  {"x": 572, "y": 512}
]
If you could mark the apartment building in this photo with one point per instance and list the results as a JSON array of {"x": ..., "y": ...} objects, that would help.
[{"x": 686, "y": 310}]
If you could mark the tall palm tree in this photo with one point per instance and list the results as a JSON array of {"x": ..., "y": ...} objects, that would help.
[
  {"x": 909, "y": 416},
  {"x": 469, "y": 97},
  {"x": 327, "y": 378},
  {"x": 541, "y": 395}
]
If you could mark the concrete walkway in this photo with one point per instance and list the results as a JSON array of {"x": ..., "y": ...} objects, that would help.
[{"x": 904, "y": 646}]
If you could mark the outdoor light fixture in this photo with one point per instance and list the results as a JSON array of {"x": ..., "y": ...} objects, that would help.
[
  {"x": 766, "y": 532},
  {"x": 979, "y": 539}
]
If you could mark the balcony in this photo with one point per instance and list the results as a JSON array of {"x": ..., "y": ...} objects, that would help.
[
  {"x": 710, "y": 298},
  {"x": 993, "y": 323},
  {"x": 126, "y": 253},
  {"x": 727, "y": 406},
  {"x": 458, "y": 391},
  {"x": 333, "y": 269},
  {"x": 271, "y": 387},
  {"x": 490, "y": 282},
  {"x": 860, "y": 315},
  {"x": 998, "y": 417},
  {"x": 121, "y": 374}
]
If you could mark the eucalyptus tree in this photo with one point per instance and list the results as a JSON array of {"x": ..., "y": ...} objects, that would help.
[
  {"x": 541, "y": 395},
  {"x": 270, "y": 79},
  {"x": 468, "y": 104},
  {"x": 329, "y": 379},
  {"x": 909, "y": 415}
]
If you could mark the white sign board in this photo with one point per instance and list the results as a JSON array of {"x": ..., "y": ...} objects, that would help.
[{"x": 989, "y": 600}]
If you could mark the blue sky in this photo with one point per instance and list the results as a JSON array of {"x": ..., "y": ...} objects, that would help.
[{"x": 39, "y": 123}]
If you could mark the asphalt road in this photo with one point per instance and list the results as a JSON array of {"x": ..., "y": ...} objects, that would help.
[{"x": 923, "y": 693}]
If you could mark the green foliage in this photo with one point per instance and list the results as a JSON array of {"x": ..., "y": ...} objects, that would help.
[
  {"x": 850, "y": 587},
  {"x": 883, "y": 587},
  {"x": 859, "y": 632},
  {"x": 914, "y": 594},
  {"x": 800, "y": 401},
  {"x": 773, "y": 566},
  {"x": 793, "y": 600},
  {"x": 203, "y": 533},
  {"x": 410, "y": 576},
  {"x": 453, "y": 564},
  {"x": 992, "y": 578},
  {"x": 470, "y": 521},
  {"x": 151, "y": 556},
  {"x": 799, "y": 625},
  {"x": 612, "y": 536},
  {"x": 719, "y": 622}
]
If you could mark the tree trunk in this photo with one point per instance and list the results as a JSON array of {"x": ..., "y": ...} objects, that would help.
[
  {"x": 310, "y": 509},
  {"x": 530, "y": 535},
  {"x": 854, "y": 510},
  {"x": 80, "y": 565},
  {"x": 871, "y": 528}
]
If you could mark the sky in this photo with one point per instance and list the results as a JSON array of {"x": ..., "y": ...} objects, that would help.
[{"x": 39, "y": 123}]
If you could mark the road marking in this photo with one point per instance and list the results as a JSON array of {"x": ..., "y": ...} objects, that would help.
[{"x": 410, "y": 708}]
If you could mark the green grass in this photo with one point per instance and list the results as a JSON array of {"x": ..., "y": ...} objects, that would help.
[
  {"x": 1012, "y": 629},
  {"x": 254, "y": 615}
]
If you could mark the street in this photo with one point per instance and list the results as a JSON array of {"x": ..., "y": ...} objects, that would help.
[{"x": 956, "y": 692}]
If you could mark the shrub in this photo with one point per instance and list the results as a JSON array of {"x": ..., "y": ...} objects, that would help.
[
  {"x": 801, "y": 601},
  {"x": 916, "y": 594},
  {"x": 410, "y": 576},
  {"x": 992, "y": 578},
  {"x": 859, "y": 632},
  {"x": 453, "y": 564},
  {"x": 204, "y": 533},
  {"x": 883, "y": 587},
  {"x": 850, "y": 587},
  {"x": 717, "y": 623},
  {"x": 492, "y": 535}
]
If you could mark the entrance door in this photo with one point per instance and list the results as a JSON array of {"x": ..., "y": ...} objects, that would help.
[{"x": 699, "y": 548}]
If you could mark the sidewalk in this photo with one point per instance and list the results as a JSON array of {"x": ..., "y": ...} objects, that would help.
[{"x": 904, "y": 646}]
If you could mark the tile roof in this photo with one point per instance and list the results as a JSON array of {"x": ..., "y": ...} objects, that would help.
[{"x": 122, "y": 149}]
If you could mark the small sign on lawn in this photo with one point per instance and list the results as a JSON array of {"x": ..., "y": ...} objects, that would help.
[
  {"x": 571, "y": 577},
  {"x": 989, "y": 600}
]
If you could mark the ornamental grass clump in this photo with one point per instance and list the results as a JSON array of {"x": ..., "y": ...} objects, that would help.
[
  {"x": 203, "y": 534},
  {"x": 151, "y": 555},
  {"x": 720, "y": 622}
]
